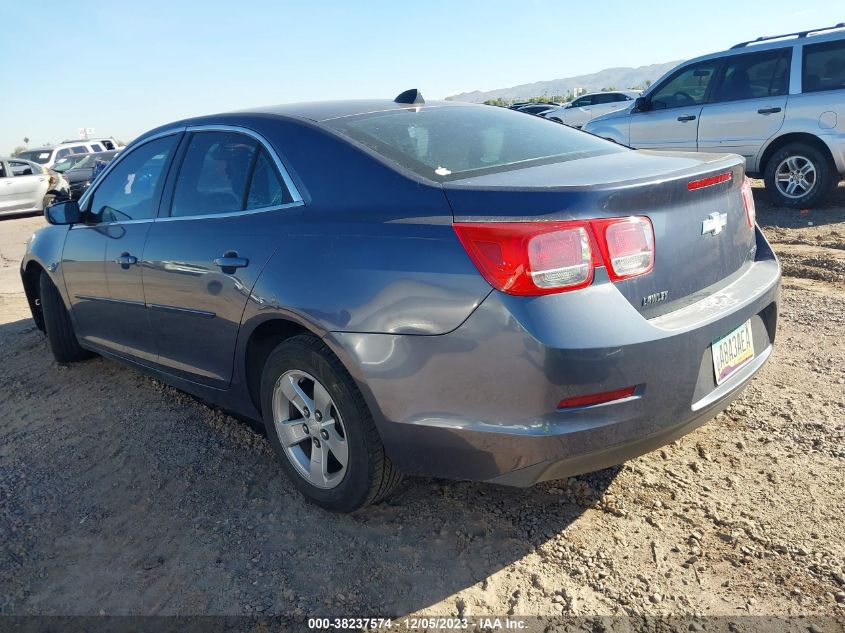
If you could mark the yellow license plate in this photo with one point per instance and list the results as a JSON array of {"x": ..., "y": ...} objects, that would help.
[{"x": 732, "y": 352}]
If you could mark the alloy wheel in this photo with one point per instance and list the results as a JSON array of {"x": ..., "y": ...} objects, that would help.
[
  {"x": 310, "y": 429},
  {"x": 795, "y": 176}
]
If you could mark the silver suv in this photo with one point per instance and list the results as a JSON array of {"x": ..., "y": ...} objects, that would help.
[{"x": 777, "y": 101}]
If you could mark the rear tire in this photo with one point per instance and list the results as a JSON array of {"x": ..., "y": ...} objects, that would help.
[
  {"x": 57, "y": 324},
  {"x": 357, "y": 475},
  {"x": 799, "y": 176}
]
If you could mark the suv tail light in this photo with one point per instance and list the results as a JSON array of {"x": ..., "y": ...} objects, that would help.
[
  {"x": 539, "y": 258},
  {"x": 748, "y": 202}
]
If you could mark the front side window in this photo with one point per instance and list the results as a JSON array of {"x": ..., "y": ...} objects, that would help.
[
  {"x": 96, "y": 147},
  {"x": 65, "y": 151},
  {"x": 131, "y": 190},
  {"x": 214, "y": 174},
  {"x": 687, "y": 88},
  {"x": 583, "y": 101},
  {"x": 449, "y": 142},
  {"x": 755, "y": 76},
  {"x": 824, "y": 67}
]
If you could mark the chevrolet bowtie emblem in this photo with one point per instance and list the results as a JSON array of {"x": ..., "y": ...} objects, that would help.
[{"x": 714, "y": 223}]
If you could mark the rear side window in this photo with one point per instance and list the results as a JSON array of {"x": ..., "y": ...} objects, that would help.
[
  {"x": 79, "y": 149},
  {"x": 131, "y": 190},
  {"x": 449, "y": 142},
  {"x": 214, "y": 174},
  {"x": 686, "y": 88},
  {"x": 755, "y": 76},
  {"x": 267, "y": 188},
  {"x": 20, "y": 168},
  {"x": 96, "y": 147},
  {"x": 583, "y": 101},
  {"x": 824, "y": 67},
  {"x": 2, "y": 171}
]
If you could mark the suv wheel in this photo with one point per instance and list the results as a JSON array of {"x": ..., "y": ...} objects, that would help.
[
  {"x": 320, "y": 426},
  {"x": 799, "y": 176}
]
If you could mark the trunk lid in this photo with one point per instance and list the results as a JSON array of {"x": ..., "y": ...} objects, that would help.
[{"x": 689, "y": 263}]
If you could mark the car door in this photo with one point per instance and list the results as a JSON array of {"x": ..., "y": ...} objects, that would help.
[
  {"x": 102, "y": 255},
  {"x": 577, "y": 114},
  {"x": 26, "y": 187},
  {"x": 748, "y": 104},
  {"x": 672, "y": 110},
  {"x": 216, "y": 232}
]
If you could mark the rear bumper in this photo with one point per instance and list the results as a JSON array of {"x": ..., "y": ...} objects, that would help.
[{"x": 480, "y": 402}]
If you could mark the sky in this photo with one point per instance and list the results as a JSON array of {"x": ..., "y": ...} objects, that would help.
[{"x": 123, "y": 67}]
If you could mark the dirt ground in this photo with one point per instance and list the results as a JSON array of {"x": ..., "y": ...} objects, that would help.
[{"x": 119, "y": 495}]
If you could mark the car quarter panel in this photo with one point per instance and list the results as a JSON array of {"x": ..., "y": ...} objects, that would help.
[{"x": 481, "y": 402}]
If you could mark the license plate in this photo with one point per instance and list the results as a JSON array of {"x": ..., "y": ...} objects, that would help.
[{"x": 732, "y": 352}]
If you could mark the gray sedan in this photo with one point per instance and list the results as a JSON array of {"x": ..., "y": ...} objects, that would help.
[{"x": 402, "y": 287}]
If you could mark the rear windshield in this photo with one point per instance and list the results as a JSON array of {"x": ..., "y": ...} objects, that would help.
[
  {"x": 36, "y": 156},
  {"x": 448, "y": 142}
]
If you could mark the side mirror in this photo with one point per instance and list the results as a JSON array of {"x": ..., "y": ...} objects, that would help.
[
  {"x": 642, "y": 104},
  {"x": 63, "y": 213}
]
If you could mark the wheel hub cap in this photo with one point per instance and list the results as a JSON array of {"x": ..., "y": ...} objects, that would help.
[{"x": 795, "y": 176}]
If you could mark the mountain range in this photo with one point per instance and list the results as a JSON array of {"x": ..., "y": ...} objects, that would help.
[{"x": 618, "y": 78}]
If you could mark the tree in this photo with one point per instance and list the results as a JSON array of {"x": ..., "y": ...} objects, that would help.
[
  {"x": 26, "y": 140},
  {"x": 18, "y": 150}
]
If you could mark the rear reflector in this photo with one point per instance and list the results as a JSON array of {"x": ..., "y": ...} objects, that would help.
[
  {"x": 709, "y": 182},
  {"x": 538, "y": 258},
  {"x": 596, "y": 398},
  {"x": 748, "y": 202}
]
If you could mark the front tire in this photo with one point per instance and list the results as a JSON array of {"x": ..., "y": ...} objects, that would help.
[
  {"x": 57, "y": 324},
  {"x": 321, "y": 428},
  {"x": 799, "y": 176}
]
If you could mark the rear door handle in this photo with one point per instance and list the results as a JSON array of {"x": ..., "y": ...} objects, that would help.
[
  {"x": 687, "y": 117},
  {"x": 125, "y": 260},
  {"x": 768, "y": 110},
  {"x": 231, "y": 261}
]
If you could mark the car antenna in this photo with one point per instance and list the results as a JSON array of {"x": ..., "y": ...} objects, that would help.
[{"x": 410, "y": 97}]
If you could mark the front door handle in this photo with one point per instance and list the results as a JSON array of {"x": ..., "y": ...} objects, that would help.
[
  {"x": 687, "y": 117},
  {"x": 768, "y": 110},
  {"x": 125, "y": 260},
  {"x": 231, "y": 261}
]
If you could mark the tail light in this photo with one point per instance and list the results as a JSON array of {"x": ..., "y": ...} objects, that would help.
[
  {"x": 627, "y": 246},
  {"x": 539, "y": 258},
  {"x": 748, "y": 202}
]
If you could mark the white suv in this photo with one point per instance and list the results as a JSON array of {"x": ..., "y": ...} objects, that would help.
[
  {"x": 777, "y": 101},
  {"x": 49, "y": 156}
]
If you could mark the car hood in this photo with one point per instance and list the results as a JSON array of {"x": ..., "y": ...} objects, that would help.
[
  {"x": 616, "y": 114},
  {"x": 78, "y": 175}
]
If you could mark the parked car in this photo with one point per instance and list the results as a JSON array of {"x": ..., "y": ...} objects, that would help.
[
  {"x": 48, "y": 156},
  {"x": 535, "y": 108},
  {"x": 78, "y": 170},
  {"x": 779, "y": 102},
  {"x": 458, "y": 291},
  {"x": 23, "y": 186},
  {"x": 584, "y": 108}
]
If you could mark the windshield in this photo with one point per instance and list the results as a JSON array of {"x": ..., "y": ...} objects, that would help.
[
  {"x": 39, "y": 156},
  {"x": 447, "y": 142},
  {"x": 71, "y": 162}
]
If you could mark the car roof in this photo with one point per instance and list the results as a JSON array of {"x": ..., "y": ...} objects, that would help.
[
  {"x": 325, "y": 110},
  {"x": 772, "y": 44}
]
